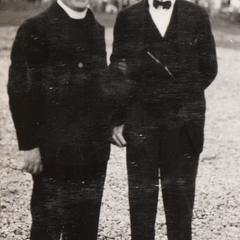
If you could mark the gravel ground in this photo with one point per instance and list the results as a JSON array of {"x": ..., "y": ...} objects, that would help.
[{"x": 217, "y": 207}]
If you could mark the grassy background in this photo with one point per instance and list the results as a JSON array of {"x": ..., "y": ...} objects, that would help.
[
  {"x": 227, "y": 33},
  {"x": 14, "y": 14}
]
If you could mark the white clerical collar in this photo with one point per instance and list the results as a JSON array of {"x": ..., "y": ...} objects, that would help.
[
  {"x": 150, "y": 2},
  {"x": 72, "y": 13}
]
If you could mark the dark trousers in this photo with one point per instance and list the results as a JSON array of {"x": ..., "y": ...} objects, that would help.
[
  {"x": 160, "y": 151},
  {"x": 67, "y": 205}
]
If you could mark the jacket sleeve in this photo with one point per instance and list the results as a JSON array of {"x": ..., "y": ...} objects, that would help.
[
  {"x": 100, "y": 73},
  {"x": 120, "y": 83},
  {"x": 206, "y": 51},
  {"x": 23, "y": 86}
]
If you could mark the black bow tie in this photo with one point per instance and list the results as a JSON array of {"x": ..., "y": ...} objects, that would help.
[{"x": 163, "y": 4}]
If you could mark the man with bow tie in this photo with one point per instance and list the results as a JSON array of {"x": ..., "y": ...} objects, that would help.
[
  {"x": 165, "y": 57},
  {"x": 60, "y": 111}
]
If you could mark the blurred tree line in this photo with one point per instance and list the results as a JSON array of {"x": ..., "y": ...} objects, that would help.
[{"x": 230, "y": 8}]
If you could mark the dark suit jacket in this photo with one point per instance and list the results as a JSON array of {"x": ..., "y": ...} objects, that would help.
[
  {"x": 195, "y": 71},
  {"x": 56, "y": 88}
]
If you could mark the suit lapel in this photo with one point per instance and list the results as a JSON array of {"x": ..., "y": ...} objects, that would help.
[
  {"x": 136, "y": 40},
  {"x": 181, "y": 28},
  {"x": 142, "y": 12},
  {"x": 185, "y": 31}
]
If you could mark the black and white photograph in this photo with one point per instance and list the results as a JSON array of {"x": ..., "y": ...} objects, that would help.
[{"x": 119, "y": 119}]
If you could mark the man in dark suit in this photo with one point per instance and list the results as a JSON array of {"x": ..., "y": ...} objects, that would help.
[
  {"x": 164, "y": 52},
  {"x": 56, "y": 92}
]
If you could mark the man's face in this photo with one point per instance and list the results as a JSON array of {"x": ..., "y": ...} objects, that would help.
[{"x": 77, "y": 5}]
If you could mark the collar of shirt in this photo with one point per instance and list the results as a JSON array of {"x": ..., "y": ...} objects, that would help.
[
  {"x": 72, "y": 13},
  {"x": 161, "y": 17}
]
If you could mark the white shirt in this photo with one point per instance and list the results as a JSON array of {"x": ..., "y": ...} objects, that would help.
[
  {"x": 161, "y": 17},
  {"x": 72, "y": 13}
]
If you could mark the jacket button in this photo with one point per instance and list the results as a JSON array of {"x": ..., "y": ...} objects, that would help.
[{"x": 80, "y": 65}]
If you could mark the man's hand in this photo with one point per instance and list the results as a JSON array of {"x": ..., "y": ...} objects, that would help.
[
  {"x": 32, "y": 161},
  {"x": 117, "y": 136}
]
